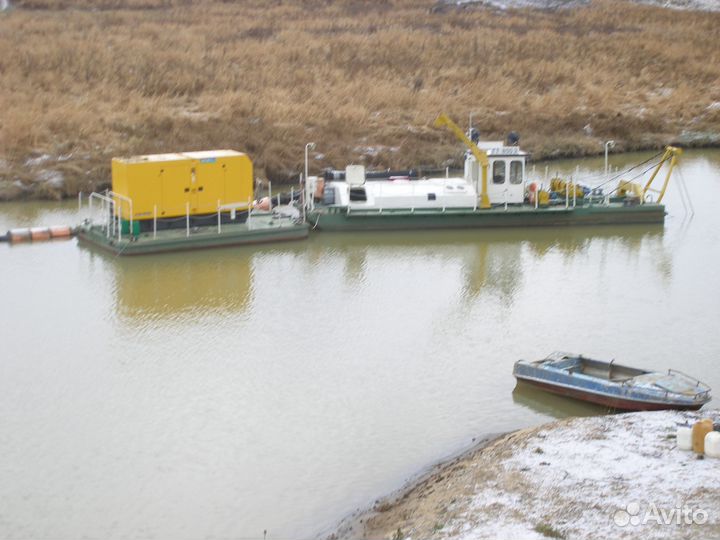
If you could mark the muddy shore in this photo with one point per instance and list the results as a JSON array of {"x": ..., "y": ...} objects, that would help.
[{"x": 572, "y": 478}]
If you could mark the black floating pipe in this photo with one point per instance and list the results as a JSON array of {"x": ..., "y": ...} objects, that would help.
[{"x": 332, "y": 174}]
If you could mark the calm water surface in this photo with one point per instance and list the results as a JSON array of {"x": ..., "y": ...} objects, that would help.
[{"x": 228, "y": 392}]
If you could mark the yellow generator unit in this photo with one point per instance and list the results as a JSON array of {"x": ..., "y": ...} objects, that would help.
[{"x": 171, "y": 185}]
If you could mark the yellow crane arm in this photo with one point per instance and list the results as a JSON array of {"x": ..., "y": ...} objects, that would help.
[
  {"x": 672, "y": 153},
  {"x": 444, "y": 121}
]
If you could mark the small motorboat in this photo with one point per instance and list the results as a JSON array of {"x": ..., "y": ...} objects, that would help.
[{"x": 607, "y": 383}]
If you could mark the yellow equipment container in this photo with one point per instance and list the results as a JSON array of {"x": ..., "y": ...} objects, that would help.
[{"x": 173, "y": 184}]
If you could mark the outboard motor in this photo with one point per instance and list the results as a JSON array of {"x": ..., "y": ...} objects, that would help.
[{"x": 513, "y": 138}]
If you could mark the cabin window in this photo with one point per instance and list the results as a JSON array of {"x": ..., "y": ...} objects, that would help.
[
  {"x": 358, "y": 194},
  {"x": 498, "y": 172},
  {"x": 329, "y": 195},
  {"x": 516, "y": 172},
  {"x": 431, "y": 197}
]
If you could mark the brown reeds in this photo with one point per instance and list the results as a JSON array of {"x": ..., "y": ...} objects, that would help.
[{"x": 83, "y": 81}]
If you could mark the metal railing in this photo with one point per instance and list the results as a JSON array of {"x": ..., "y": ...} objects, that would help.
[
  {"x": 126, "y": 200},
  {"x": 111, "y": 208},
  {"x": 233, "y": 208},
  {"x": 112, "y": 204},
  {"x": 109, "y": 214}
]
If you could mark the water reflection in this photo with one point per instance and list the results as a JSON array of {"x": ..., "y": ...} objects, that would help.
[
  {"x": 170, "y": 285},
  {"x": 549, "y": 404},
  {"x": 491, "y": 262}
]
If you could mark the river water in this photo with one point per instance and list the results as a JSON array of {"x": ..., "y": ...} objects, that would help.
[{"x": 230, "y": 392}]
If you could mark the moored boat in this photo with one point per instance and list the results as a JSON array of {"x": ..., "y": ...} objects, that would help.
[
  {"x": 612, "y": 385},
  {"x": 494, "y": 191}
]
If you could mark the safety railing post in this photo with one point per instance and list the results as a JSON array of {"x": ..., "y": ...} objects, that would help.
[
  {"x": 567, "y": 194},
  {"x": 574, "y": 192}
]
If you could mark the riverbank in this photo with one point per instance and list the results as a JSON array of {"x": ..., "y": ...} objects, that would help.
[
  {"x": 101, "y": 78},
  {"x": 574, "y": 478}
]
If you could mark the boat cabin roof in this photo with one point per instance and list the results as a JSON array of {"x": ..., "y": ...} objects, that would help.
[
  {"x": 497, "y": 149},
  {"x": 506, "y": 151}
]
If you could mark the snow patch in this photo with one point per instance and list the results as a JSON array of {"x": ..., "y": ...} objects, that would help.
[
  {"x": 692, "y": 5},
  {"x": 695, "y": 5},
  {"x": 374, "y": 151},
  {"x": 39, "y": 160},
  {"x": 53, "y": 179},
  {"x": 515, "y": 4},
  {"x": 574, "y": 477}
]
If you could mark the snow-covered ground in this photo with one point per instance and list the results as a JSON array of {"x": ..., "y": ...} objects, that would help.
[
  {"x": 700, "y": 5},
  {"x": 618, "y": 476},
  {"x": 584, "y": 479}
]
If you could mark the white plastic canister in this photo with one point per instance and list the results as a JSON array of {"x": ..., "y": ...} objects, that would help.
[
  {"x": 684, "y": 437},
  {"x": 712, "y": 444}
]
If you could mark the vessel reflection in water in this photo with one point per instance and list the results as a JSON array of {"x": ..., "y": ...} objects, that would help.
[
  {"x": 549, "y": 404},
  {"x": 177, "y": 285},
  {"x": 493, "y": 262}
]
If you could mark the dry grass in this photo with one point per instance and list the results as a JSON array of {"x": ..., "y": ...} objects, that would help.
[{"x": 88, "y": 80}]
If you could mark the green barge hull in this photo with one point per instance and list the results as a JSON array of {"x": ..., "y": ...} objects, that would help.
[
  {"x": 259, "y": 230},
  {"x": 340, "y": 219}
]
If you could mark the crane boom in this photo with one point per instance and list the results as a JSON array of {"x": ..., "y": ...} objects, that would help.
[
  {"x": 444, "y": 121},
  {"x": 672, "y": 153}
]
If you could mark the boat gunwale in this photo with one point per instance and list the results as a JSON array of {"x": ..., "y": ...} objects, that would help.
[
  {"x": 612, "y": 363},
  {"x": 512, "y": 209},
  {"x": 704, "y": 397}
]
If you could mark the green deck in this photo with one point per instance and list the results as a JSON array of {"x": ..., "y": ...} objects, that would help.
[
  {"x": 339, "y": 219},
  {"x": 261, "y": 229}
]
